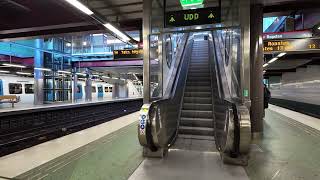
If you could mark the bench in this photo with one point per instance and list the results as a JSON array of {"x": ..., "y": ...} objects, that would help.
[{"x": 9, "y": 99}]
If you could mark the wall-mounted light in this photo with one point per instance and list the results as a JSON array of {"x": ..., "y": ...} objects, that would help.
[
  {"x": 14, "y": 65},
  {"x": 80, "y": 6},
  {"x": 117, "y": 32}
]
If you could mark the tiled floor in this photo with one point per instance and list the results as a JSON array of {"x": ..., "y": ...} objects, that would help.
[
  {"x": 30, "y": 158},
  {"x": 289, "y": 150}
]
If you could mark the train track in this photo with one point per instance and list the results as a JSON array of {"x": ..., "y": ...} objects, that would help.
[{"x": 14, "y": 141}]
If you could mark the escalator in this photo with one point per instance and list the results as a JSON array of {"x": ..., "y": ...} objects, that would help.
[
  {"x": 196, "y": 121},
  {"x": 197, "y": 108}
]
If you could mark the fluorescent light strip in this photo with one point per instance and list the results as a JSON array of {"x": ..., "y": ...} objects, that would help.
[
  {"x": 195, "y": 4},
  {"x": 281, "y": 54},
  {"x": 65, "y": 72},
  {"x": 80, "y": 6},
  {"x": 4, "y": 71},
  {"x": 23, "y": 73},
  {"x": 265, "y": 65},
  {"x": 273, "y": 60},
  {"x": 117, "y": 32},
  {"x": 81, "y": 74},
  {"x": 319, "y": 27},
  {"x": 122, "y": 79},
  {"x": 14, "y": 65},
  {"x": 42, "y": 69}
]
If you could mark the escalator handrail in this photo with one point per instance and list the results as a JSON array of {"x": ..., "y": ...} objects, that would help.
[{"x": 176, "y": 77}]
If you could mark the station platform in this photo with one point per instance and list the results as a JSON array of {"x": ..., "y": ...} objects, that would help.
[
  {"x": 289, "y": 150},
  {"x": 27, "y": 106}
]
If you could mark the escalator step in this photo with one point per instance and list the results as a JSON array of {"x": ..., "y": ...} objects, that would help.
[
  {"x": 198, "y": 88},
  {"x": 198, "y": 83},
  {"x": 196, "y": 114},
  {"x": 196, "y": 122},
  {"x": 197, "y": 100},
  {"x": 194, "y": 106},
  {"x": 197, "y": 94},
  {"x": 196, "y": 131},
  {"x": 188, "y": 136}
]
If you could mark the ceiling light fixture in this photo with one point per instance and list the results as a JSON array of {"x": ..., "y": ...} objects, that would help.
[
  {"x": 24, "y": 73},
  {"x": 81, "y": 74},
  {"x": 281, "y": 54},
  {"x": 64, "y": 72},
  {"x": 42, "y": 69},
  {"x": 80, "y": 6},
  {"x": 116, "y": 31},
  {"x": 14, "y": 65},
  {"x": 273, "y": 60}
]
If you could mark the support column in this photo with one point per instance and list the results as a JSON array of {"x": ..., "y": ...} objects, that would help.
[
  {"x": 120, "y": 91},
  {"x": 88, "y": 87},
  {"x": 38, "y": 74},
  {"x": 74, "y": 85},
  {"x": 147, "y": 8},
  {"x": 256, "y": 56}
]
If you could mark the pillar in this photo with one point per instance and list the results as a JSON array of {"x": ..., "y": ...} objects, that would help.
[
  {"x": 147, "y": 8},
  {"x": 256, "y": 59},
  {"x": 74, "y": 85},
  {"x": 38, "y": 74},
  {"x": 88, "y": 87},
  {"x": 120, "y": 91}
]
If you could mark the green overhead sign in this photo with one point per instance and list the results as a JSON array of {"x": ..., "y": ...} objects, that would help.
[{"x": 185, "y": 3}]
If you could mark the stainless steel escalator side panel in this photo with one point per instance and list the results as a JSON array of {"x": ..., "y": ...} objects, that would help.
[
  {"x": 163, "y": 115},
  {"x": 235, "y": 137},
  {"x": 168, "y": 110},
  {"x": 245, "y": 129}
]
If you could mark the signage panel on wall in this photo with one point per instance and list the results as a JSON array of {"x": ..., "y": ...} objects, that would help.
[
  {"x": 287, "y": 35},
  {"x": 193, "y": 17},
  {"x": 291, "y": 45},
  {"x": 128, "y": 54}
]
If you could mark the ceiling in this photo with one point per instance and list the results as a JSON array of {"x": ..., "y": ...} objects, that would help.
[{"x": 22, "y": 18}]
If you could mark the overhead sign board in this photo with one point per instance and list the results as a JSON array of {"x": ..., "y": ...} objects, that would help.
[
  {"x": 287, "y": 35},
  {"x": 193, "y": 17},
  {"x": 291, "y": 45},
  {"x": 128, "y": 54}
]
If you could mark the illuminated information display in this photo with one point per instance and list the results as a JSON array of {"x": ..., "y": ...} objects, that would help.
[
  {"x": 193, "y": 17},
  {"x": 128, "y": 54},
  {"x": 291, "y": 45}
]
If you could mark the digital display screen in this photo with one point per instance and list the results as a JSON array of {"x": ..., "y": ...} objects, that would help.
[
  {"x": 128, "y": 54},
  {"x": 193, "y": 17},
  {"x": 287, "y": 45}
]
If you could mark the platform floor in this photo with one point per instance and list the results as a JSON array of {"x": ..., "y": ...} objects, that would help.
[
  {"x": 5, "y": 107},
  {"x": 289, "y": 151}
]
